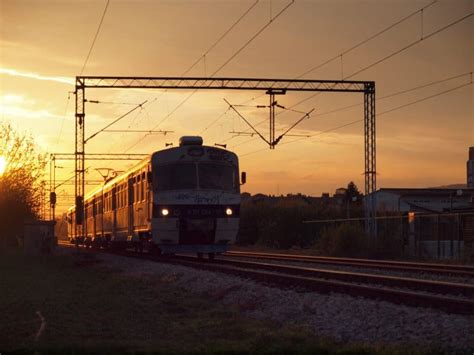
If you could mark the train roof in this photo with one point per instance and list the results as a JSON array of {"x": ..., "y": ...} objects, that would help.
[{"x": 185, "y": 142}]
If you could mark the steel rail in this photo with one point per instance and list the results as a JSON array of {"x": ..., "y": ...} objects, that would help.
[
  {"x": 455, "y": 270},
  {"x": 358, "y": 277},
  {"x": 447, "y": 304},
  {"x": 281, "y": 276}
]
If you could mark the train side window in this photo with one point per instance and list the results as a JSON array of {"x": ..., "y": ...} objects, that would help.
[
  {"x": 125, "y": 196},
  {"x": 135, "y": 191},
  {"x": 113, "y": 199},
  {"x": 139, "y": 193}
]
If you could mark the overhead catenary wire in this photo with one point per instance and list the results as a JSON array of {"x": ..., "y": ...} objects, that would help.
[
  {"x": 442, "y": 29},
  {"x": 248, "y": 123},
  {"x": 398, "y": 51},
  {"x": 361, "y": 120},
  {"x": 95, "y": 37},
  {"x": 84, "y": 66},
  {"x": 202, "y": 57},
  {"x": 115, "y": 121},
  {"x": 359, "y": 44},
  {"x": 422, "y": 38},
  {"x": 63, "y": 119},
  {"x": 244, "y": 14},
  {"x": 246, "y": 44},
  {"x": 368, "y": 39},
  {"x": 253, "y": 37},
  {"x": 405, "y": 91}
]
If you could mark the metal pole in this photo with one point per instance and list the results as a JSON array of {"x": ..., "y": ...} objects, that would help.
[
  {"x": 79, "y": 155},
  {"x": 53, "y": 190},
  {"x": 370, "y": 162},
  {"x": 272, "y": 120},
  {"x": 51, "y": 213}
]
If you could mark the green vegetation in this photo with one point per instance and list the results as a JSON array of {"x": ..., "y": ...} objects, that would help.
[
  {"x": 88, "y": 307},
  {"x": 21, "y": 185},
  {"x": 277, "y": 222}
]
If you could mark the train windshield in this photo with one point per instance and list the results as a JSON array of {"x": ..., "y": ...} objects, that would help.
[
  {"x": 211, "y": 176},
  {"x": 175, "y": 177},
  {"x": 216, "y": 176}
]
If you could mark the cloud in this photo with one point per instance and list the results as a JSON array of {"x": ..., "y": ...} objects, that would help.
[{"x": 58, "y": 79}]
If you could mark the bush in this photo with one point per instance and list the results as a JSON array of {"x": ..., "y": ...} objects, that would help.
[{"x": 345, "y": 240}]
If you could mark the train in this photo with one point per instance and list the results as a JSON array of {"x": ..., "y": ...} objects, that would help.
[{"x": 183, "y": 199}]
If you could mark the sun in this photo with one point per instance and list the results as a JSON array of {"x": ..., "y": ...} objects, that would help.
[{"x": 3, "y": 164}]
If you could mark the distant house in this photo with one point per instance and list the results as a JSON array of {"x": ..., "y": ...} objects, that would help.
[{"x": 432, "y": 200}]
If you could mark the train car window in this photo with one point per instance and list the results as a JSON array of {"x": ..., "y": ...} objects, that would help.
[
  {"x": 216, "y": 176},
  {"x": 175, "y": 177},
  {"x": 112, "y": 199},
  {"x": 137, "y": 190},
  {"x": 134, "y": 192}
]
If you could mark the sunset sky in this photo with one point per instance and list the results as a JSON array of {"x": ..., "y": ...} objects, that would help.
[{"x": 44, "y": 45}]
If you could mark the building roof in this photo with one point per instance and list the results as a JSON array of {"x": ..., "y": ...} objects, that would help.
[{"x": 427, "y": 191}]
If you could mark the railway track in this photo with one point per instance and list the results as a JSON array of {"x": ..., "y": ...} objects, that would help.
[
  {"x": 443, "y": 269},
  {"x": 407, "y": 291}
]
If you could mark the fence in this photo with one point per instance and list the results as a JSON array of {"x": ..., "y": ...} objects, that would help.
[{"x": 438, "y": 235}]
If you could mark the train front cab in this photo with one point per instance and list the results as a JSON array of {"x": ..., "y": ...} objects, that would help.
[{"x": 196, "y": 200}]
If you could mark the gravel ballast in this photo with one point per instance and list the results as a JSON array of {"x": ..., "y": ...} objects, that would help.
[{"x": 345, "y": 318}]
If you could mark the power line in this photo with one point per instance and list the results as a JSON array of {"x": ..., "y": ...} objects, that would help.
[
  {"x": 95, "y": 37},
  {"x": 221, "y": 38},
  {"x": 368, "y": 39},
  {"x": 410, "y": 45},
  {"x": 213, "y": 122},
  {"x": 63, "y": 119},
  {"x": 340, "y": 55},
  {"x": 245, "y": 120},
  {"x": 396, "y": 93},
  {"x": 361, "y": 120},
  {"x": 195, "y": 63},
  {"x": 394, "y": 53},
  {"x": 223, "y": 65},
  {"x": 115, "y": 121},
  {"x": 252, "y": 38}
]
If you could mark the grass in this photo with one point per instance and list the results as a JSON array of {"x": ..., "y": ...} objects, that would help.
[{"x": 88, "y": 307}]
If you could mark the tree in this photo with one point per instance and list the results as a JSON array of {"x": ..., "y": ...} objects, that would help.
[
  {"x": 352, "y": 193},
  {"x": 352, "y": 197},
  {"x": 20, "y": 182}
]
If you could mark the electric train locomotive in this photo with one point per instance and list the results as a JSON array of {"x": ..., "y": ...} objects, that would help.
[{"x": 178, "y": 200}]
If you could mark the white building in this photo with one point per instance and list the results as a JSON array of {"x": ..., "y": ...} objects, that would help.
[{"x": 424, "y": 200}]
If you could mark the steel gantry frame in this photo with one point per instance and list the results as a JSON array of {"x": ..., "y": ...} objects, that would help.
[{"x": 270, "y": 86}]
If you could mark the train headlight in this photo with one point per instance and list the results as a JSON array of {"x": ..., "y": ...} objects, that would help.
[
  {"x": 165, "y": 212},
  {"x": 228, "y": 211}
]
